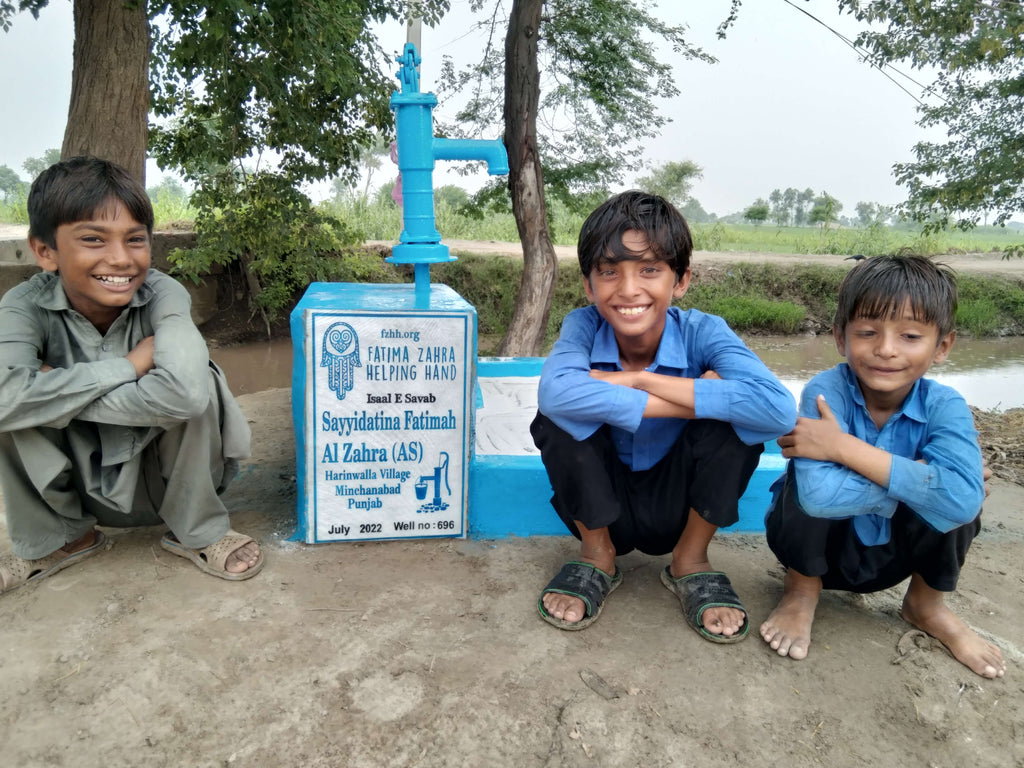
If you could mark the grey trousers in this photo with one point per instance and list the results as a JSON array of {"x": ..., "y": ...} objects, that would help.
[{"x": 56, "y": 487}]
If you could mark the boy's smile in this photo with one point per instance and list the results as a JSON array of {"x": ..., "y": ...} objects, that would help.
[
  {"x": 888, "y": 355},
  {"x": 101, "y": 262},
  {"x": 633, "y": 296}
]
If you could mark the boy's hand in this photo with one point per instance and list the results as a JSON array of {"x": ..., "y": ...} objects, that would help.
[
  {"x": 813, "y": 438},
  {"x": 142, "y": 357},
  {"x": 632, "y": 378},
  {"x": 622, "y": 378}
]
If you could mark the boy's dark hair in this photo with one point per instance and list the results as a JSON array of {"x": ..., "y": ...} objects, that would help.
[
  {"x": 879, "y": 287},
  {"x": 74, "y": 190},
  {"x": 666, "y": 229}
]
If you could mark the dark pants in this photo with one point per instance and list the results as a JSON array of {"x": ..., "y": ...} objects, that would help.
[
  {"x": 831, "y": 549},
  {"x": 707, "y": 468}
]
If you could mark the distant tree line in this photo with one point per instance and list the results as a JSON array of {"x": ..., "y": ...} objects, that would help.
[{"x": 795, "y": 208}]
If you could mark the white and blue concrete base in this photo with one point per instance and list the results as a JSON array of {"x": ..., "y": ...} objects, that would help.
[
  {"x": 509, "y": 493},
  {"x": 403, "y": 432}
]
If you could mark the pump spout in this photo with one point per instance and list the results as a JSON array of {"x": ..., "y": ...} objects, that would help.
[{"x": 491, "y": 151}]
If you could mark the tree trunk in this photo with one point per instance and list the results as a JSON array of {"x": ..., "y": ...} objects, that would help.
[
  {"x": 109, "y": 111},
  {"x": 525, "y": 335}
]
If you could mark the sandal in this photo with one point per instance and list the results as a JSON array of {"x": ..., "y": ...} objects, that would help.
[
  {"x": 213, "y": 559},
  {"x": 699, "y": 591},
  {"x": 585, "y": 581},
  {"x": 17, "y": 572}
]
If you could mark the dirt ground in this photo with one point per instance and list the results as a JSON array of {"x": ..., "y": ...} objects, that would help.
[
  {"x": 984, "y": 263},
  {"x": 431, "y": 653}
]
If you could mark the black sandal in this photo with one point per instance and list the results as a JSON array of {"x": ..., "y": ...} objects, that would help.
[
  {"x": 585, "y": 581},
  {"x": 699, "y": 591}
]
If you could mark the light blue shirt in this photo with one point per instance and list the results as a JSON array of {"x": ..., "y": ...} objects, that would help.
[
  {"x": 748, "y": 397},
  {"x": 934, "y": 424}
]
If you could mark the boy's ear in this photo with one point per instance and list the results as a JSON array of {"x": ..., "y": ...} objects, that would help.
[
  {"x": 840, "y": 339},
  {"x": 943, "y": 347},
  {"x": 682, "y": 285},
  {"x": 46, "y": 257},
  {"x": 588, "y": 290}
]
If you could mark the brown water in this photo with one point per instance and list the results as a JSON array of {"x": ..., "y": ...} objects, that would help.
[
  {"x": 256, "y": 366},
  {"x": 988, "y": 372}
]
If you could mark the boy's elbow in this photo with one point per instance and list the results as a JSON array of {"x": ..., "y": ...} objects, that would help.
[
  {"x": 771, "y": 428},
  {"x": 784, "y": 422},
  {"x": 186, "y": 401},
  {"x": 551, "y": 395},
  {"x": 783, "y": 413}
]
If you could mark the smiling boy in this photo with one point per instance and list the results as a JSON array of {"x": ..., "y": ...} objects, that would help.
[
  {"x": 111, "y": 412},
  {"x": 885, "y": 480},
  {"x": 651, "y": 421}
]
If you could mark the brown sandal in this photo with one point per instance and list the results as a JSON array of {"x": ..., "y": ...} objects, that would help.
[
  {"x": 17, "y": 572},
  {"x": 213, "y": 558}
]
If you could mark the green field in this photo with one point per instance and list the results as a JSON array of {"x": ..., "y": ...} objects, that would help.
[{"x": 381, "y": 220}]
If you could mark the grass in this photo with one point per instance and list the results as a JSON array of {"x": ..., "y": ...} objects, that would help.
[
  {"x": 870, "y": 241},
  {"x": 380, "y": 219},
  {"x": 750, "y": 297},
  {"x": 13, "y": 211}
]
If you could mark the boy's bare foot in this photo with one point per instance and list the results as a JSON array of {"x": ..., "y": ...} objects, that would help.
[
  {"x": 787, "y": 630},
  {"x": 243, "y": 558},
  {"x": 934, "y": 617}
]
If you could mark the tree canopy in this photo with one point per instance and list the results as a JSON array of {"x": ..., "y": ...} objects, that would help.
[
  {"x": 601, "y": 75},
  {"x": 307, "y": 82},
  {"x": 825, "y": 210},
  {"x": 977, "y": 46},
  {"x": 580, "y": 79},
  {"x": 672, "y": 180},
  {"x": 757, "y": 213}
]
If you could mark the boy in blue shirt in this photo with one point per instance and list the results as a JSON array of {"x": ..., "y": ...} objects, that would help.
[
  {"x": 886, "y": 478},
  {"x": 651, "y": 421},
  {"x": 111, "y": 412}
]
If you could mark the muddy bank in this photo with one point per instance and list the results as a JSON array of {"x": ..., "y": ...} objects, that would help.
[
  {"x": 235, "y": 322},
  {"x": 431, "y": 654}
]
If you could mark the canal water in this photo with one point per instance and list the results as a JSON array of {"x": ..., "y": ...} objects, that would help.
[{"x": 988, "y": 372}]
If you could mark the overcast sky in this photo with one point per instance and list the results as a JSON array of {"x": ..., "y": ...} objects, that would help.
[{"x": 788, "y": 104}]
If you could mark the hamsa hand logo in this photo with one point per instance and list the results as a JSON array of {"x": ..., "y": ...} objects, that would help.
[{"x": 341, "y": 357}]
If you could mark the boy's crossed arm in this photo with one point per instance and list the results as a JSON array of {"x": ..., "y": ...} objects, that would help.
[
  {"x": 840, "y": 475},
  {"x": 668, "y": 396},
  {"x": 141, "y": 358},
  {"x": 171, "y": 379},
  {"x": 825, "y": 440}
]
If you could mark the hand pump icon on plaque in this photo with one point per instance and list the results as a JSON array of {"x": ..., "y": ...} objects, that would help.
[{"x": 436, "y": 504}]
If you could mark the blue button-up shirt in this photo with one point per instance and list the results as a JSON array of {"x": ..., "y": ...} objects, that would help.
[
  {"x": 748, "y": 396},
  {"x": 934, "y": 424}
]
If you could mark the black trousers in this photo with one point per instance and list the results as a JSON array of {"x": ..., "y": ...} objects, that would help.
[
  {"x": 831, "y": 549},
  {"x": 707, "y": 468}
]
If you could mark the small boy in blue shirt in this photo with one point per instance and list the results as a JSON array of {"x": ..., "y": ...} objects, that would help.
[
  {"x": 885, "y": 479},
  {"x": 651, "y": 421},
  {"x": 111, "y": 412}
]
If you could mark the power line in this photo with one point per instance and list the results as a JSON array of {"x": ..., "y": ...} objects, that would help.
[{"x": 866, "y": 56}]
